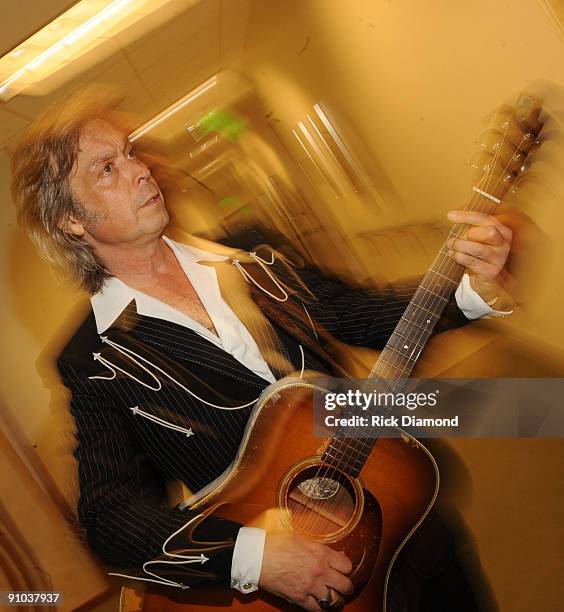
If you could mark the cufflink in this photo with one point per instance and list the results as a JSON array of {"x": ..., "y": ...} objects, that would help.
[
  {"x": 248, "y": 586},
  {"x": 234, "y": 583}
]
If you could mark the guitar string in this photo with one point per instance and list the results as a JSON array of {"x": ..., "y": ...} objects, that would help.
[
  {"x": 330, "y": 472},
  {"x": 457, "y": 229},
  {"x": 450, "y": 264},
  {"x": 487, "y": 178},
  {"x": 394, "y": 364},
  {"x": 352, "y": 445}
]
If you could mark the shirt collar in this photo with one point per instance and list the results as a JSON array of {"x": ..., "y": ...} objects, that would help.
[{"x": 115, "y": 295}]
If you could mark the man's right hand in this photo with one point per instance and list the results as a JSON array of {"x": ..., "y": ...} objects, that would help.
[{"x": 302, "y": 571}]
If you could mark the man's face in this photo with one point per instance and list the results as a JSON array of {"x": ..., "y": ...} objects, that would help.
[{"x": 123, "y": 202}]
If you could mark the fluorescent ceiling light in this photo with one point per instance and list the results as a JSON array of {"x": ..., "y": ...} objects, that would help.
[
  {"x": 173, "y": 108},
  {"x": 221, "y": 91},
  {"x": 84, "y": 26}
]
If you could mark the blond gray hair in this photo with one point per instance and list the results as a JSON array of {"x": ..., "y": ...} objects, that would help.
[{"x": 41, "y": 169}]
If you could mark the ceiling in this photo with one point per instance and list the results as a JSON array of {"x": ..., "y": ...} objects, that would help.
[
  {"x": 152, "y": 71},
  {"x": 23, "y": 18}
]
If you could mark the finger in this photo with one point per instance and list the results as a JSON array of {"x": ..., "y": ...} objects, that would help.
[
  {"x": 325, "y": 592},
  {"x": 488, "y": 234},
  {"x": 340, "y": 583},
  {"x": 310, "y": 603},
  {"x": 338, "y": 601},
  {"x": 495, "y": 256},
  {"x": 476, "y": 249},
  {"x": 479, "y": 219},
  {"x": 478, "y": 266},
  {"x": 341, "y": 563}
]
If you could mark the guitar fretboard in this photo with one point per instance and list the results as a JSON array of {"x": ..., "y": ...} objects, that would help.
[
  {"x": 508, "y": 145},
  {"x": 404, "y": 347}
]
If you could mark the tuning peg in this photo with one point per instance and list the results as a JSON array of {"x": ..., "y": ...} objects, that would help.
[
  {"x": 529, "y": 158},
  {"x": 517, "y": 183},
  {"x": 518, "y": 156},
  {"x": 473, "y": 161},
  {"x": 484, "y": 139}
]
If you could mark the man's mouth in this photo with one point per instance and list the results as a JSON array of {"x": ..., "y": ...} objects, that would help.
[{"x": 152, "y": 200}]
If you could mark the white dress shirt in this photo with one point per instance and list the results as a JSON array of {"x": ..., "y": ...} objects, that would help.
[{"x": 234, "y": 338}]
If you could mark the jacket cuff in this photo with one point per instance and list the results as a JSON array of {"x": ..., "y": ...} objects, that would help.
[{"x": 214, "y": 538}]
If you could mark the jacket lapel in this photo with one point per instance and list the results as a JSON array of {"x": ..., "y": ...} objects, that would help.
[
  {"x": 291, "y": 315},
  {"x": 170, "y": 341}
]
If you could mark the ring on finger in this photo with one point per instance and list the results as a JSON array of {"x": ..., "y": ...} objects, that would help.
[{"x": 327, "y": 602}]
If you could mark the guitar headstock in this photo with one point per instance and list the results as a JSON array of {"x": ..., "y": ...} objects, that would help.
[{"x": 506, "y": 146}]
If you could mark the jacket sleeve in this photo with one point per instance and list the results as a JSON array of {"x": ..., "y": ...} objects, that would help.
[
  {"x": 125, "y": 516},
  {"x": 364, "y": 317}
]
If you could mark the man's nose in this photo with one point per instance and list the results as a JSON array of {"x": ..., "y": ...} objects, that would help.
[{"x": 140, "y": 171}]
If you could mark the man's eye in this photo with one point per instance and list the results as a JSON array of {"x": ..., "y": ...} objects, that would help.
[
  {"x": 132, "y": 153},
  {"x": 107, "y": 169}
]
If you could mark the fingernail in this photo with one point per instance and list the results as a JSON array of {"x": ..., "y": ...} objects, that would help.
[
  {"x": 452, "y": 215},
  {"x": 450, "y": 253},
  {"x": 450, "y": 242}
]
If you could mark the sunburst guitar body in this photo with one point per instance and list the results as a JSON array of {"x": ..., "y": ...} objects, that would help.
[{"x": 281, "y": 478}]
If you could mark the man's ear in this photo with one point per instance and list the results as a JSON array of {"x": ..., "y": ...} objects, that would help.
[{"x": 73, "y": 226}]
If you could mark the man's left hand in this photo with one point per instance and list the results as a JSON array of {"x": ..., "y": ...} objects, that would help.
[{"x": 483, "y": 250}]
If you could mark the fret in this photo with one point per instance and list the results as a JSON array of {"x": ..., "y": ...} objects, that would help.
[
  {"x": 345, "y": 461},
  {"x": 396, "y": 333},
  {"x": 410, "y": 352},
  {"x": 450, "y": 280},
  {"x": 352, "y": 448},
  {"x": 439, "y": 284},
  {"x": 328, "y": 453},
  {"x": 420, "y": 314},
  {"x": 432, "y": 293},
  {"x": 425, "y": 329},
  {"x": 381, "y": 359},
  {"x": 428, "y": 318},
  {"x": 389, "y": 348},
  {"x": 409, "y": 323},
  {"x": 332, "y": 460},
  {"x": 421, "y": 307},
  {"x": 340, "y": 450},
  {"x": 386, "y": 385}
]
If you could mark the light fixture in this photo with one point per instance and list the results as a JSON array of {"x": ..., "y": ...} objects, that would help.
[
  {"x": 173, "y": 108},
  {"x": 86, "y": 25},
  {"x": 221, "y": 91}
]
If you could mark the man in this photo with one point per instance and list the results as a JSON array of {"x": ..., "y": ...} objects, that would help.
[{"x": 164, "y": 371}]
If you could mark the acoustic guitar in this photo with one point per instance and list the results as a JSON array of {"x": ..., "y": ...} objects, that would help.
[{"x": 363, "y": 496}]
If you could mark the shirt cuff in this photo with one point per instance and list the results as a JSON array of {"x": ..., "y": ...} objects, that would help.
[
  {"x": 247, "y": 559},
  {"x": 472, "y": 305}
]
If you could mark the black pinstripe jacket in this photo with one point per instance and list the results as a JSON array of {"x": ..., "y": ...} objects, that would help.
[{"x": 138, "y": 427}]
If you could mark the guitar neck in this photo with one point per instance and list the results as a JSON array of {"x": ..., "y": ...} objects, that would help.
[
  {"x": 406, "y": 343},
  {"x": 502, "y": 160}
]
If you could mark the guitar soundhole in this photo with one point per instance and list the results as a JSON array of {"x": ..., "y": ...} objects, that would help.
[{"x": 320, "y": 500}]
